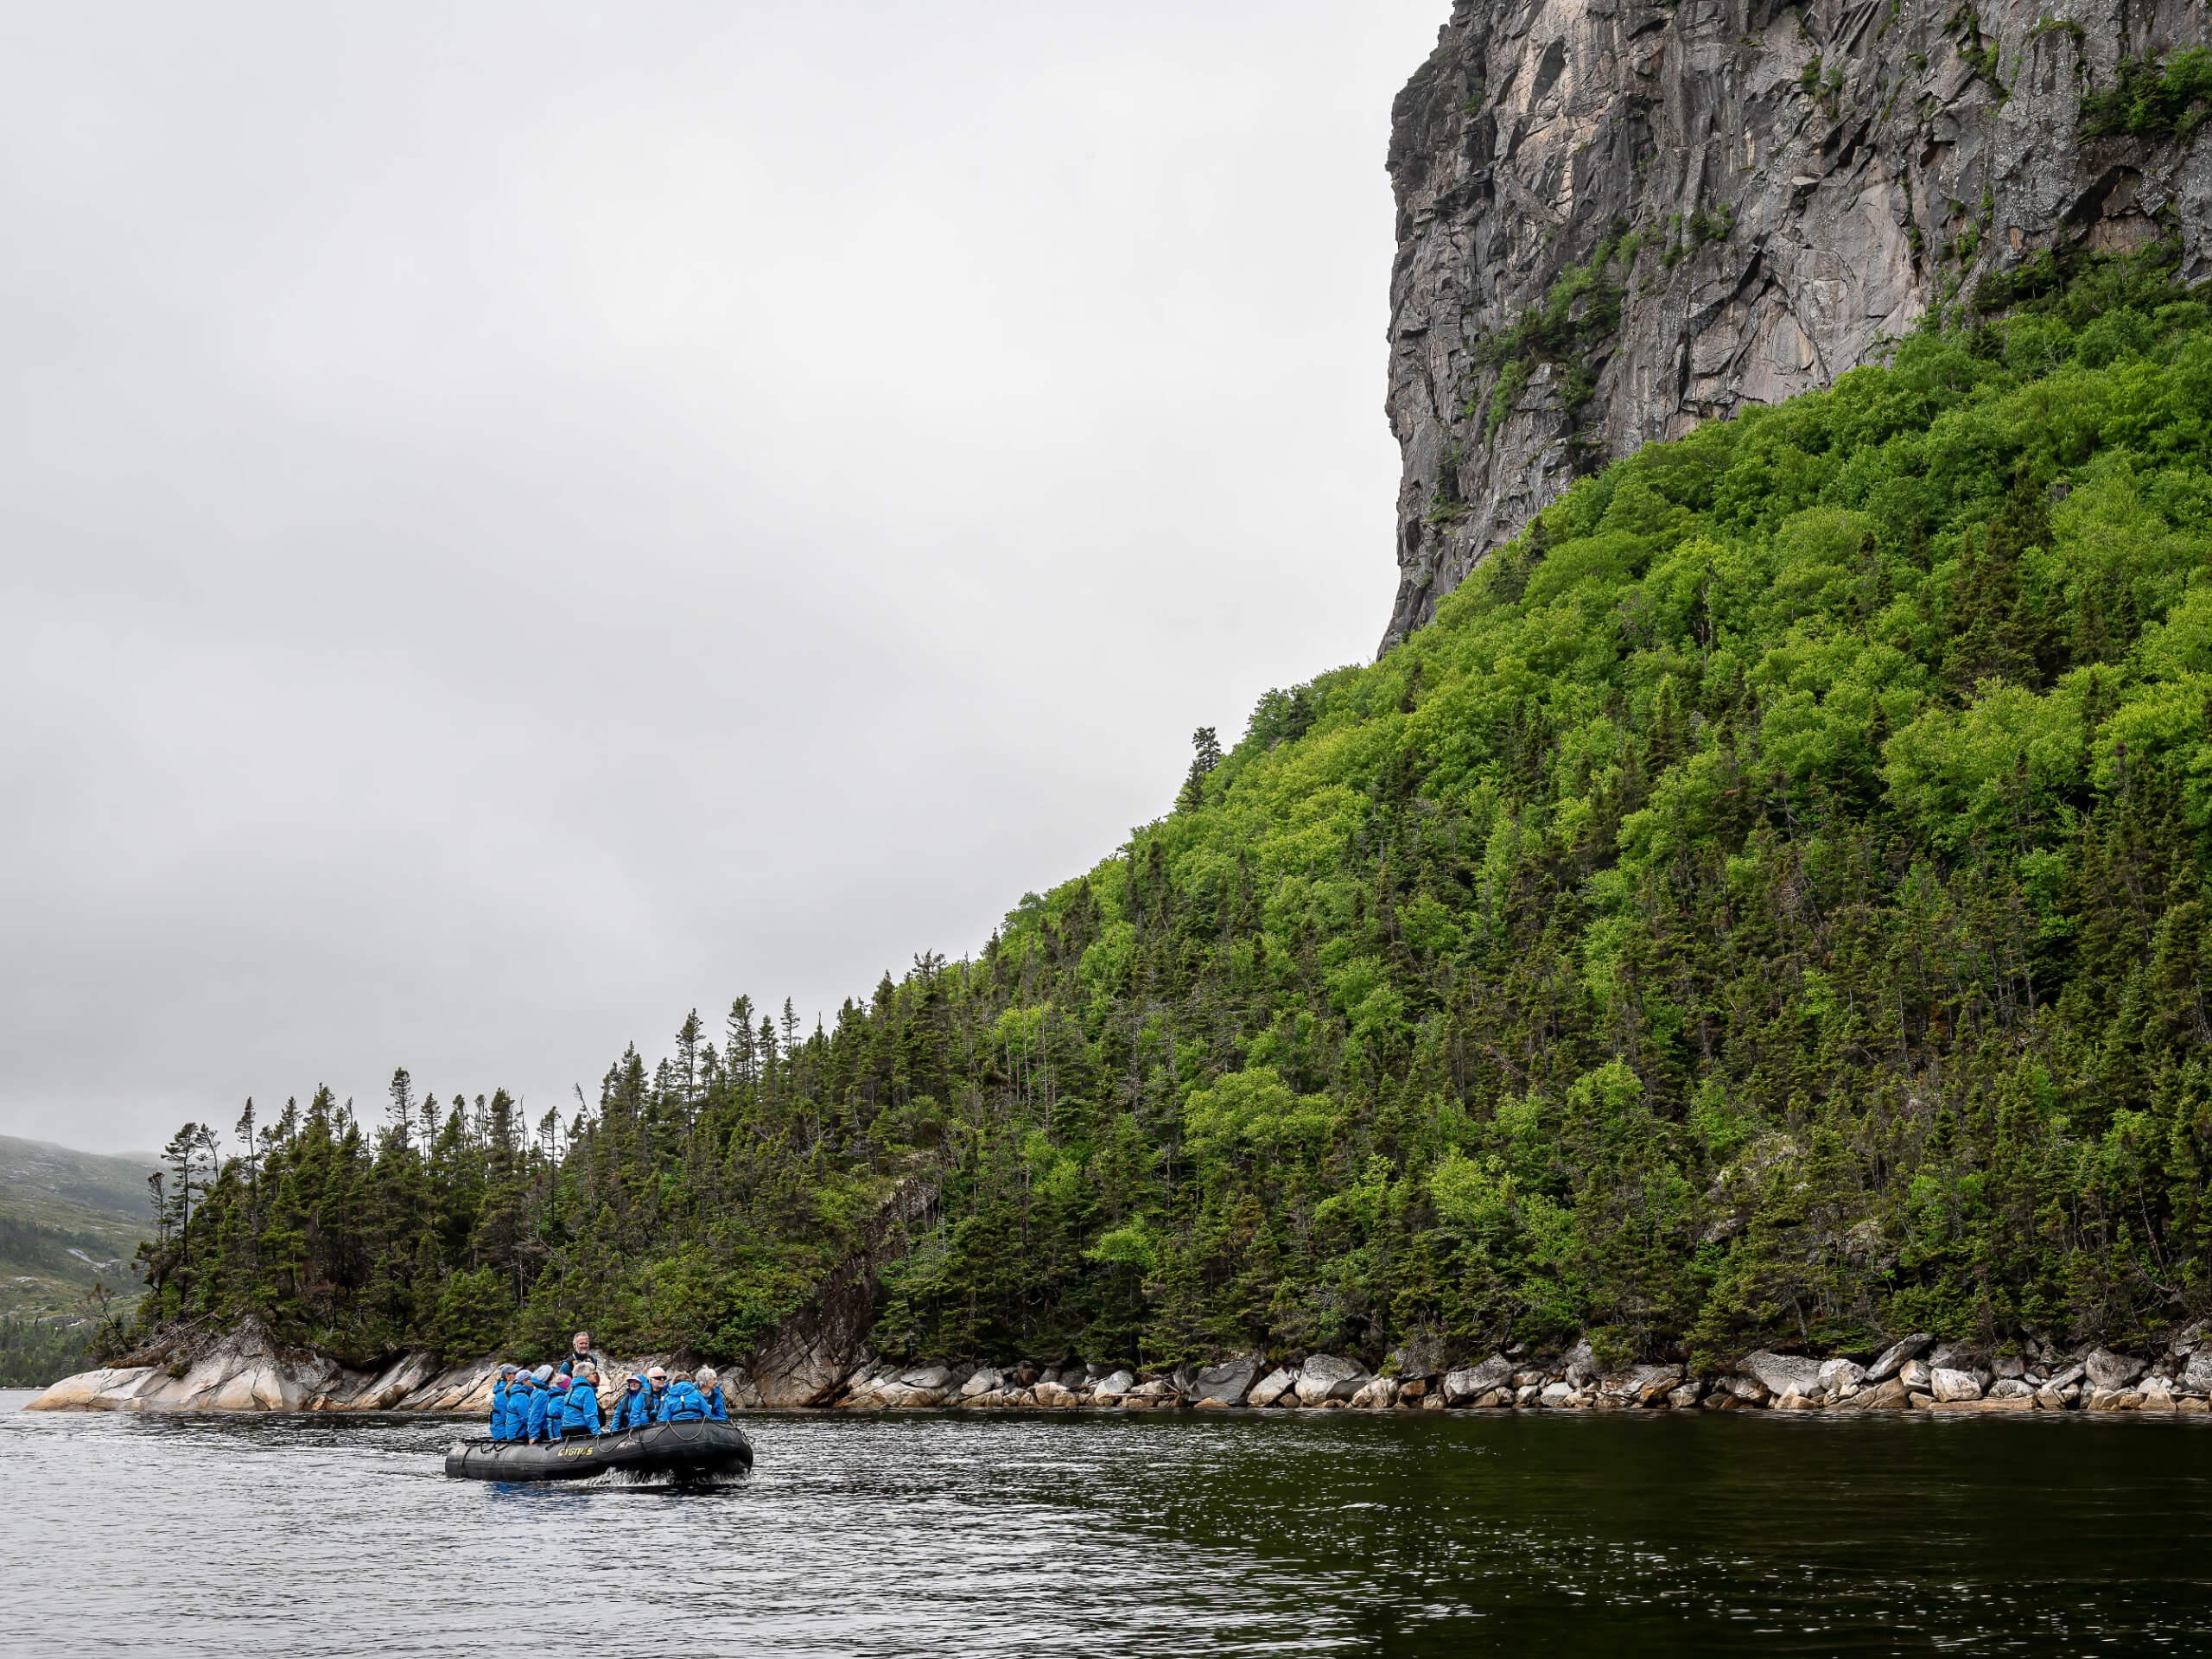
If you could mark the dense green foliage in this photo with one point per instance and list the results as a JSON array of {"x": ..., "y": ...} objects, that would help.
[
  {"x": 27, "y": 1247},
  {"x": 1767, "y": 904},
  {"x": 2153, "y": 98},
  {"x": 34, "y": 1352}
]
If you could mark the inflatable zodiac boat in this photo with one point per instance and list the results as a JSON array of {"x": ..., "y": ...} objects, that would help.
[{"x": 675, "y": 1451}]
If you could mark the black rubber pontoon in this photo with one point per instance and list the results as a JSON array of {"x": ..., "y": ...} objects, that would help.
[{"x": 683, "y": 1451}]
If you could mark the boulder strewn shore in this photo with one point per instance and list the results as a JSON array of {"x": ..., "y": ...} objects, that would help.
[
  {"x": 1914, "y": 1373},
  {"x": 243, "y": 1370}
]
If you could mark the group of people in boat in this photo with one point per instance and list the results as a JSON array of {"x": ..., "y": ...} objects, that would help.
[{"x": 551, "y": 1405}]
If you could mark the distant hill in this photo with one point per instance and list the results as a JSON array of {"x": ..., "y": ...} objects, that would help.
[
  {"x": 68, "y": 1218},
  {"x": 96, "y": 1180}
]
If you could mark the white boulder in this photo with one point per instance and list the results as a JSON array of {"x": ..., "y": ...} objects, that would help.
[
  {"x": 1326, "y": 1376},
  {"x": 2111, "y": 1371},
  {"x": 1840, "y": 1374},
  {"x": 1893, "y": 1358},
  {"x": 1780, "y": 1373},
  {"x": 1948, "y": 1385},
  {"x": 1226, "y": 1384},
  {"x": 1464, "y": 1387},
  {"x": 1379, "y": 1393},
  {"x": 1642, "y": 1385}
]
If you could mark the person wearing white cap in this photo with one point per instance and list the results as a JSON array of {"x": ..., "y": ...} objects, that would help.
[
  {"x": 502, "y": 1420},
  {"x": 541, "y": 1401},
  {"x": 522, "y": 1389}
]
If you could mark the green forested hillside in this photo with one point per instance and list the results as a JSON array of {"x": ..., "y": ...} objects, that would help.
[
  {"x": 1767, "y": 905},
  {"x": 69, "y": 1223}
]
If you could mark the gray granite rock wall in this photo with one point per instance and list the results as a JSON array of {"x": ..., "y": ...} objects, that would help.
[{"x": 1804, "y": 180}]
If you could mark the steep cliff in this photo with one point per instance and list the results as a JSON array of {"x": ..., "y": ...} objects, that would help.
[{"x": 1619, "y": 218}]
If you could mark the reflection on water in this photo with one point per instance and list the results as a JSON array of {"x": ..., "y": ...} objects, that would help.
[{"x": 1128, "y": 1534}]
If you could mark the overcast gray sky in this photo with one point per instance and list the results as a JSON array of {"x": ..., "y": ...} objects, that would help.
[{"x": 520, "y": 520}]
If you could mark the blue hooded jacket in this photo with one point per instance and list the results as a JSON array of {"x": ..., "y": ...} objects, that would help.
[
  {"x": 533, "y": 1427},
  {"x": 581, "y": 1415},
  {"x": 518, "y": 1410},
  {"x": 499, "y": 1409},
  {"x": 557, "y": 1408},
  {"x": 630, "y": 1411},
  {"x": 716, "y": 1408},
  {"x": 683, "y": 1404}
]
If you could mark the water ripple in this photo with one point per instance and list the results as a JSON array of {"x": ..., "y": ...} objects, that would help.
[{"x": 1159, "y": 1534}]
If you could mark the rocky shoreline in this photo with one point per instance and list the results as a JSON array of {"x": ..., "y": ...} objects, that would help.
[
  {"x": 243, "y": 1370},
  {"x": 1916, "y": 1373}
]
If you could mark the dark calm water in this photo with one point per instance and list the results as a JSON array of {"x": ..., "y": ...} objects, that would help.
[{"x": 1102, "y": 1535}]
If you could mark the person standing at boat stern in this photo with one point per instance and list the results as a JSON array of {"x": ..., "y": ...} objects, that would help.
[
  {"x": 579, "y": 1350},
  {"x": 710, "y": 1389},
  {"x": 580, "y": 1415},
  {"x": 630, "y": 1411}
]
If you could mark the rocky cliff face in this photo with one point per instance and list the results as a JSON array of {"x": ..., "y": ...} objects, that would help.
[
  {"x": 1619, "y": 218},
  {"x": 808, "y": 1358}
]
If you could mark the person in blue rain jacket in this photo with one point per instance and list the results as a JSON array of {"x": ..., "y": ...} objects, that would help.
[
  {"x": 500, "y": 1403},
  {"x": 684, "y": 1403},
  {"x": 655, "y": 1392},
  {"x": 556, "y": 1406},
  {"x": 710, "y": 1387},
  {"x": 631, "y": 1410},
  {"x": 520, "y": 1388},
  {"x": 580, "y": 1415},
  {"x": 541, "y": 1399}
]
